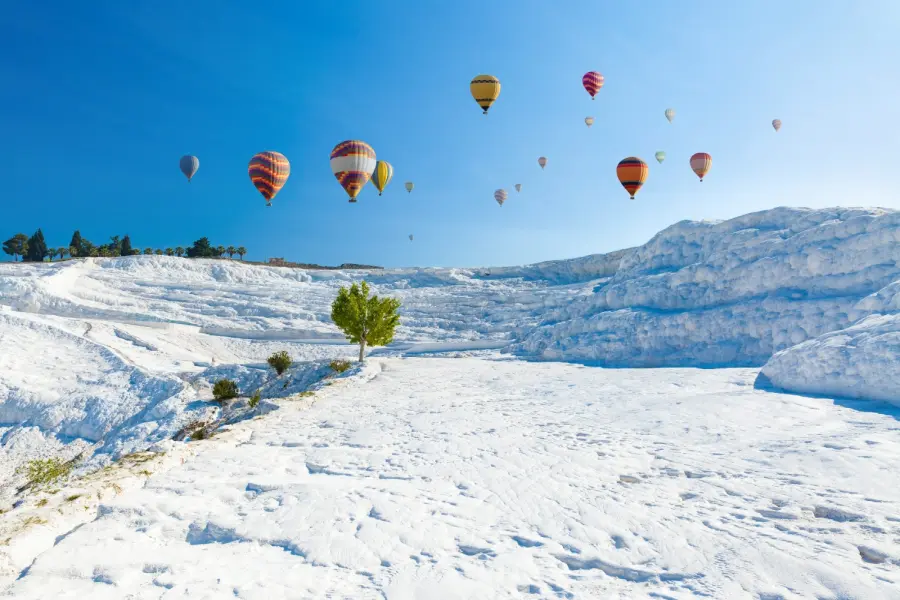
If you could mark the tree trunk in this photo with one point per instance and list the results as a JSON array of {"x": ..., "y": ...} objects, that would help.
[{"x": 362, "y": 351}]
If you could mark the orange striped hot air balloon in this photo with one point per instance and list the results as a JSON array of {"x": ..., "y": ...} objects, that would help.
[
  {"x": 632, "y": 173},
  {"x": 353, "y": 163},
  {"x": 700, "y": 164},
  {"x": 269, "y": 171}
]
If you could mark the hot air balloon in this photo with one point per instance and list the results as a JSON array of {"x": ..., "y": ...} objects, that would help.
[
  {"x": 518, "y": 187},
  {"x": 776, "y": 124},
  {"x": 670, "y": 114},
  {"x": 542, "y": 161},
  {"x": 700, "y": 164},
  {"x": 353, "y": 163},
  {"x": 592, "y": 82},
  {"x": 409, "y": 186},
  {"x": 189, "y": 165},
  {"x": 382, "y": 175},
  {"x": 500, "y": 196},
  {"x": 589, "y": 121},
  {"x": 660, "y": 156},
  {"x": 632, "y": 173},
  {"x": 410, "y": 237},
  {"x": 485, "y": 89},
  {"x": 269, "y": 171}
]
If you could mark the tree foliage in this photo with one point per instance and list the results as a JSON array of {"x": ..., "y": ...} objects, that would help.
[
  {"x": 225, "y": 389},
  {"x": 37, "y": 248},
  {"x": 16, "y": 246},
  {"x": 280, "y": 361},
  {"x": 365, "y": 320}
]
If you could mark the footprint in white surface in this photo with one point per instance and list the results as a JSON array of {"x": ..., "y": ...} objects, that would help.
[
  {"x": 526, "y": 543},
  {"x": 480, "y": 553},
  {"x": 836, "y": 514}
]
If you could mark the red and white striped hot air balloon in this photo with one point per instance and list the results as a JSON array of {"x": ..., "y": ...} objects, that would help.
[
  {"x": 592, "y": 82},
  {"x": 500, "y": 196},
  {"x": 700, "y": 164}
]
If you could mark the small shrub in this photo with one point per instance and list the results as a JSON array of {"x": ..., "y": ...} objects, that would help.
[
  {"x": 200, "y": 434},
  {"x": 42, "y": 502},
  {"x": 225, "y": 389},
  {"x": 73, "y": 498},
  {"x": 306, "y": 394},
  {"x": 44, "y": 471},
  {"x": 339, "y": 366},
  {"x": 280, "y": 361},
  {"x": 254, "y": 399}
]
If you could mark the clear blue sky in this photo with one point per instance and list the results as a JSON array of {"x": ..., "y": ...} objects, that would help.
[{"x": 100, "y": 99}]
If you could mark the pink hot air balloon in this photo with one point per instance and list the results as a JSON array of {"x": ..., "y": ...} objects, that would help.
[
  {"x": 500, "y": 196},
  {"x": 592, "y": 82},
  {"x": 542, "y": 161},
  {"x": 776, "y": 124}
]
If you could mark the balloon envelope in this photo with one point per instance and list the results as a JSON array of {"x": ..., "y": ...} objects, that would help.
[
  {"x": 589, "y": 121},
  {"x": 189, "y": 165},
  {"x": 382, "y": 175},
  {"x": 485, "y": 90},
  {"x": 542, "y": 161},
  {"x": 592, "y": 82},
  {"x": 776, "y": 124},
  {"x": 670, "y": 114},
  {"x": 500, "y": 196},
  {"x": 660, "y": 156},
  {"x": 518, "y": 187},
  {"x": 410, "y": 237},
  {"x": 409, "y": 186},
  {"x": 269, "y": 171},
  {"x": 353, "y": 163},
  {"x": 632, "y": 173},
  {"x": 700, "y": 164}
]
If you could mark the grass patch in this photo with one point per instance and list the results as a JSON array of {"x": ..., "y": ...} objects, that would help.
[
  {"x": 42, "y": 502},
  {"x": 45, "y": 471},
  {"x": 73, "y": 498},
  {"x": 306, "y": 394},
  {"x": 339, "y": 366}
]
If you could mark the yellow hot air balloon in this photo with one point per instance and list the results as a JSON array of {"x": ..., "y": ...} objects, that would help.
[
  {"x": 382, "y": 175},
  {"x": 589, "y": 121},
  {"x": 485, "y": 89}
]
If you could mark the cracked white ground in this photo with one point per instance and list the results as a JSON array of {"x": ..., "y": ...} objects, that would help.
[{"x": 489, "y": 478}]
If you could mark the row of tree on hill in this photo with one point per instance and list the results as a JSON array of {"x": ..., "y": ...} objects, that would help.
[{"x": 35, "y": 249}]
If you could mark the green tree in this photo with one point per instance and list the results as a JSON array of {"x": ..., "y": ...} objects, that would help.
[
  {"x": 103, "y": 252},
  {"x": 201, "y": 249},
  {"x": 77, "y": 243},
  {"x": 169, "y": 252},
  {"x": 179, "y": 251},
  {"x": 220, "y": 250},
  {"x": 16, "y": 246},
  {"x": 62, "y": 252},
  {"x": 37, "y": 247},
  {"x": 125, "y": 249},
  {"x": 241, "y": 251},
  {"x": 231, "y": 251},
  {"x": 94, "y": 251},
  {"x": 365, "y": 320},
  {"x": 158, "y": 252},
  {"x": 51, "y": 252},
  {"x": 148, "y": 251},
  {"x": 73, "y": 251}
]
